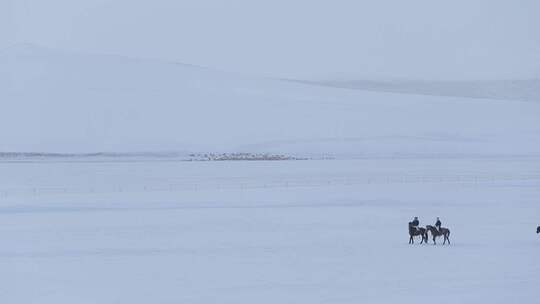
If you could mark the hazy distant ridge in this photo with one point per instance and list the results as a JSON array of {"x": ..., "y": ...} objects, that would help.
[
  {"x": 522, "y": 90},
  {"x": 59, "y": 101}
]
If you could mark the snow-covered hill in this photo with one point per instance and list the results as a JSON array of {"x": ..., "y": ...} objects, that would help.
[
  {"x": 522, "y": 90},
  {"x": 55, "y": 101},
  {"x": 314, "y": 231}
]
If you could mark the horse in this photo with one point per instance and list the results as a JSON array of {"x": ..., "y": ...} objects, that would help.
[
  {"x": 538, "y": 229},
  {"x": 415, "y": 231},
  {"x": 445, "y": 232}
]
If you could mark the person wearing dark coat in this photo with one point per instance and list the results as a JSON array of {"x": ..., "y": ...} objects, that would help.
[{"x": 438, "y": 224}]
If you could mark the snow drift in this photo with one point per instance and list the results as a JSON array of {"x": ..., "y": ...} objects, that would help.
[{"x": 55, "y": 101}]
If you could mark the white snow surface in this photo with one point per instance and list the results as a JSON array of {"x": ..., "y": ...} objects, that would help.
[
  {"x": 134, "y": 229},
  {"x": 56, "y": 101},
  {"x": 327, "y": 231}
]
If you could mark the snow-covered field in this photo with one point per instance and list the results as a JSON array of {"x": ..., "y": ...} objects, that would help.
[
  {"x": 268, "y": 152},
  {"x": 317, "y": 231},
  {"x": 76, "y": 102},
  {"x": 116, "y": 227}
]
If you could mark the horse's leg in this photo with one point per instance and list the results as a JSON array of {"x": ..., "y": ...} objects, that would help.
[{"x": 411, "y": 241}]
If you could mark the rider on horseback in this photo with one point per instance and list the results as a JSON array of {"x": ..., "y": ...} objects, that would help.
[
  {"x": 438, "y": 224},
  {"x": 414, "y": 230}
]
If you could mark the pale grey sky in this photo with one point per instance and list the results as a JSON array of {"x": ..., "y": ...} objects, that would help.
[{"x": 350, "y": 39}]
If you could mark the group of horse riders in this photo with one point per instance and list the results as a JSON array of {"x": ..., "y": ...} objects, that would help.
[
  {"x": 436, "y": 231},
  {"x": 415, "y": 230},
  {"x": 415, "y": 222}
]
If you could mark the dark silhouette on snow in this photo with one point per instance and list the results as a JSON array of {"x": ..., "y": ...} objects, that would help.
[
  {"x": 415, "y": 231},
  {"x": 538, "y": 229},
  {"x": 445, "y": 232},
  {"x": 415, "y": 222},
  {"x": 438, "y": 224}
]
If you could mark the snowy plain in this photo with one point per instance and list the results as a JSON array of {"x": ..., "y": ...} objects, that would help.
[
  {"x": 326, "y": 231},
  {"x": 310, "y": 231}
]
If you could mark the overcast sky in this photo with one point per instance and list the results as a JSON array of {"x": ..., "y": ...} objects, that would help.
[{"x": 458, "y": 39}]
